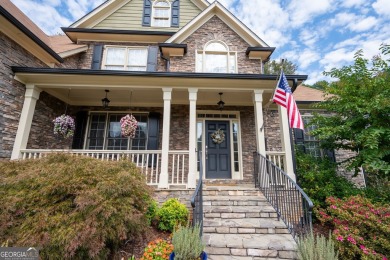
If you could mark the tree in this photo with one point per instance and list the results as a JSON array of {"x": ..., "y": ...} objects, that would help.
[
  {"x": 273, "y": 67},
  {"x": 359, "y": 120},
  {"x": 321, "y": 85}
]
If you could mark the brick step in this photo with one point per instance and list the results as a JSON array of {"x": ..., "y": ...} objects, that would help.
[
  {"x": 259, "y": 211},
  {"x": 253, "y": 246},
  {"x": 244, "y": 226}
]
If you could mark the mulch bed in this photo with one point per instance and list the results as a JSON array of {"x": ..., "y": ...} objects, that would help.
[{"x": 136, "y": 245}]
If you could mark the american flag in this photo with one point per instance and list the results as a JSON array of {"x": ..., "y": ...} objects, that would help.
[{"x": 283, "y": 96}]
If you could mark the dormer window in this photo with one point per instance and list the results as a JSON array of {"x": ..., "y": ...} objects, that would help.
[
  {"x": 216, "y": 58},
  {"x": 161, "y": 13}
]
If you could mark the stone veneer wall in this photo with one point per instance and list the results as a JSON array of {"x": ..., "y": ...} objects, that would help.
[
  {"x": 215, "y": 29},
  {"x": 272, "y": 131},
  {"x": 11, "y": 91}
]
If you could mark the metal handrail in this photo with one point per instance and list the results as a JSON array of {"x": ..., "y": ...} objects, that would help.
[
  {"x": 291, "y": 203},
  {"x": 197, "y": 199}
]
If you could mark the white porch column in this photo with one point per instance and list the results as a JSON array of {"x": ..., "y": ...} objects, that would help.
[
  {"x": 192, "y": 94},
  {"x": 286, "y": 141},
  {"x": 259, "y": 121},
  {"x": 30, "y": 100},
  {"x": 167, "y": 96}
]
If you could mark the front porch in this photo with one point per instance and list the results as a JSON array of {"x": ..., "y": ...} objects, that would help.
[{"x": 175, "y": 121}]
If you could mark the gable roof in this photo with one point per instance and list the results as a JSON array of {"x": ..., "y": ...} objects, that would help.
[
  {"x": 33, "y": 39},
  {"x": 49, "y": 49},
  {"x": 305, "y": 94},
  {"x": 227, "y": 17},
  {"x": 109, "y": 7}
]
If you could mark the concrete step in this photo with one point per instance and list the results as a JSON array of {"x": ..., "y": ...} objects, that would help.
[
  {"x": 234, "y": 201},
  {"x": 246, "y": 225},
  {"x": 251, "y": 246},
  {"x": 254, "y": 211}
]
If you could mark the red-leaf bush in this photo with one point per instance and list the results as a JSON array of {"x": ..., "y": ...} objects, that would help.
[
  {"x": 361, "y": 229},
  {"x": 71, "y": 207}
]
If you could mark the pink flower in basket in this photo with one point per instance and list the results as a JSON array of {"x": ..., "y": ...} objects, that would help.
[{"x": 128, "y": 126}]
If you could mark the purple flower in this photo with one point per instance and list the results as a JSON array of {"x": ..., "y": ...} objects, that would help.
[{"x": 64, "y": 125}]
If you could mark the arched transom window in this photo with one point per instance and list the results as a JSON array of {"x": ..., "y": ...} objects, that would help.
[
  {"x": 216, "y": 58},
  {"x": 161, "y": 13}
]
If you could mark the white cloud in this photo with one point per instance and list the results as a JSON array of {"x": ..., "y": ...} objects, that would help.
[
  {"x": 309, "y": 37},
  {"x": 303, "y": 11},
  {"x": 382, "y": 7},
  {"x": 268, "y": 20},
  {"x": 307, "y": 57},
  {"x": 353, "y": 3},
  {"x": 363, "y": 24},
  {"x": 337, "y": 58}
]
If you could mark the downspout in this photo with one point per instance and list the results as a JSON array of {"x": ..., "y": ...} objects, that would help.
[{"x": 167, "y": 62}]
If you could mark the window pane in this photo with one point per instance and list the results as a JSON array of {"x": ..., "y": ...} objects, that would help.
[
  {"x": 162, "y": 4},
  {"x": 216, "y": 46},
  {"x": 199, "y": 62},
  {"x": 115, "y": 140},
  {"x": 140, "y": 140},
  {"x": 114, "y": 67},
  {"x": 216, "y": 63},
  {"x": 137, "y": 57},
  {"x": 161, "y": 22},
  {"x": 115, "y": 56},
  {"x": 232, "y": 63},
  {"x": 96, "y": 133}
]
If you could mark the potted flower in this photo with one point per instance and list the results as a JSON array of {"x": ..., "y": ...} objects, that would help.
[
  {"x": 64, "y": 126},
  {"x": 187, "y": 244},
  {"x": 128, "y": 126}
]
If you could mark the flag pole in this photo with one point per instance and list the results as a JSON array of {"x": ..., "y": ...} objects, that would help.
[{"x": 266, "y": 107}]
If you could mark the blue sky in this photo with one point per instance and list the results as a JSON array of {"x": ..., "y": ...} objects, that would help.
[{"x": 317, "y": 35}]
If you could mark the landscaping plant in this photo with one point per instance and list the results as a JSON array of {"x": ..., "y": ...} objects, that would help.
[
  {"x": 172, "y": 214},
  {"x": 187, "y": 243},
  {"x": 159, "y": 249},
  {"x": 71, "y": 207},
  {"x": 316, "y": 247},
  {"x": 361, "y": 229}
]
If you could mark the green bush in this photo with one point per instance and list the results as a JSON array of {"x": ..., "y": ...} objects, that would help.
[
  {"x": 71, "y": 207},
  {"x": 151, "y": 211},
  {"x": 316, "y": 248},
  {"x": 187, "y": 243},
  {"x": 361, "y": 229},
  {"x": 319, "y": 179},
  {"x": 172, "y": 214}
]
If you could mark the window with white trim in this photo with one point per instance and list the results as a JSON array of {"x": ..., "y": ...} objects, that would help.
[
  {"x": 104, "y": 133},
  {"x": 216, "y": 58},
  {"x": 161, "y": 13},
  {"x": 125, "y": 58}
]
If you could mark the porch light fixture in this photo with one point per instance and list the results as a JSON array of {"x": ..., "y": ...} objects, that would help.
[
  {"x": 105, "y": 101},
  {"x": 220, "y": 104}
]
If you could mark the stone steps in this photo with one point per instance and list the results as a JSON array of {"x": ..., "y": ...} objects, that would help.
[{"x": 240, "y": 224}]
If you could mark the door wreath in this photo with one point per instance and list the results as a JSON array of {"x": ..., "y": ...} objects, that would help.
[{"x": 218, "y": 136}]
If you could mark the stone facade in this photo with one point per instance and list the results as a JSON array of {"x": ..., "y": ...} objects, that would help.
[
  {"x": 11, "y": 91},
  {"x": 215, "y": 29},
  {"x": 272, "y": 131}
]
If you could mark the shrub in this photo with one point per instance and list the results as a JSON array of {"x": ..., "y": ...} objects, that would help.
[
  {"x": 319, "y": 179},
  {"x": 71, "y": 207},
  {"x": 151, "y": 211},
  {"x": 361, "y": 229},
  {"x": 187, "y": 243},
  {"x": 158, "y": 250},
  {"x": 316, "y": 248},
  {"x": 172, "y": 214}
]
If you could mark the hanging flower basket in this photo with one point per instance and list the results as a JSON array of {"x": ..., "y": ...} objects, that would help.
[
  {"x": 64, "y": 126},
  {"x": 128, "y": 126},
  {"x": 218, "y": 136}
]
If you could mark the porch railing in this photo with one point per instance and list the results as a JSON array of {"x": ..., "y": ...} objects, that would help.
[
  {"x": 291, "y": 203},
  {"x": 278, "y": 158},
  {"x": 148, "y": 161},
  {"x": 197, "y": 198}
]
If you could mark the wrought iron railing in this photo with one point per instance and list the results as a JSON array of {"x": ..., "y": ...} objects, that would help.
[
  {"x": 291, "y": 203},
  {"x": 197, "y": 198}
]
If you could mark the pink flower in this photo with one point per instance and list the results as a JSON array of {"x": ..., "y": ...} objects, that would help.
[
  {"x": 351, "y": 239},
  {"x": 333, "y": 206},
  {"x": 384, "y": 258},
  {"x": 340, "y": 238},
  {"x": 362, "y": 247}
]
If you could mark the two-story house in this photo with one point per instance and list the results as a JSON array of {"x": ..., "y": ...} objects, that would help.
[{"x": 183, "y": 68}]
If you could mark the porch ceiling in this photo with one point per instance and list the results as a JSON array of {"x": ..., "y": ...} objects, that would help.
[{"x": 87, "y": 86}]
